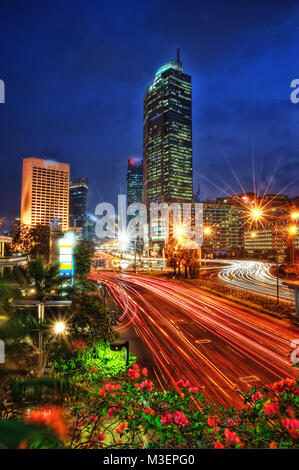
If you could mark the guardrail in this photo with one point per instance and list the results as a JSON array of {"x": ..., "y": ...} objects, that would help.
[{"x": 13, "y": 261}]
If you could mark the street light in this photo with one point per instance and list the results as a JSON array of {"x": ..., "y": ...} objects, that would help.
[
  {"x": 207, "y": 231},
  {"x": 295, "y": 215},
  {"x": 59, "y": 328},
  {"x": 119, "y": 346},
  {"x": 292, "y": 230},
  {"x": 256, "y": 214}
]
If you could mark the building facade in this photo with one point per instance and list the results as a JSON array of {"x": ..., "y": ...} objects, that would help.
[
  {"x": 134, "y": 181},
  {"x": 167, "y": 136},
  {"x": 45, "y": 192},
  {"x": 223, "y": 221},
  {"x": 78, "y": 202}
]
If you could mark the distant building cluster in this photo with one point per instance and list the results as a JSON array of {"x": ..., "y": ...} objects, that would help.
[{"x": 164, "y": 175}]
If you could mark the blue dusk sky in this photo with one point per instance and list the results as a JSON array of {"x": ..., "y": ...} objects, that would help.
[{"x": 75, "y": 73}]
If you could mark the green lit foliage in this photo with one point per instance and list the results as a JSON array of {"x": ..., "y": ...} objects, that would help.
[{"x": 93, "y": 364}]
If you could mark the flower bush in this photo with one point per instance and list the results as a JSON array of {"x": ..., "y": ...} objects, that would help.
[
  {"x": 144, "y": 417},
  {"x": 131, "y": 413}
]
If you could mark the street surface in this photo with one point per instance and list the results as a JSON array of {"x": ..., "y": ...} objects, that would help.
[{"x": 182, "y": 332}]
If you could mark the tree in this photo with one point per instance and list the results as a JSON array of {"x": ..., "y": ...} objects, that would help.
[
  {"x": 83, "y": 255},
  {"x": 34, "y": 241},
  {"x": 44, "y": 281},
  {"x": 89, "y": 318}
]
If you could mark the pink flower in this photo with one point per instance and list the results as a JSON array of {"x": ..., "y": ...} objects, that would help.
[
  {"x": 218, "y": 445},
  {"x": 147, "y": 385},
  {"x": 256, "y": 396},
  {"x": 271, "y": 409},
  {"x": 121, "y": 428},
  {"x": 181, "y": 419},
  {"x": 102, "y": 392},
  {"x": 135, "y": 366},
  {"x": 193, "y": 390},
  {"x": 111, "y": 411},
  {"x": 232, "y": 439},
  {"x": 134, "y": 373},
  {"x": 213, "y": 423},
  {"x": 144, "y": 371},
  {"x": 109, "y": 387},
  {"x": 292, "y": 425},
  {"x": 117, "y": 387},
  {"x": 180, "y": 383},
  {"x": 166, "y": 419},
  {"x": 290, "y": 412}
]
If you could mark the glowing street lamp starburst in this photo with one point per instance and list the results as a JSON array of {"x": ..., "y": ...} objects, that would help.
[{"x": 59, "y": 328}]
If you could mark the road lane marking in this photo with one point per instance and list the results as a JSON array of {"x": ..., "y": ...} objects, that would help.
[{"x": 250, "y": 378}]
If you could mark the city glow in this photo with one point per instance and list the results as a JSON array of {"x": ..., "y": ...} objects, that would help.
[
  {"x": 124, "y": 240},
  {"x": 179, "y": 232}
]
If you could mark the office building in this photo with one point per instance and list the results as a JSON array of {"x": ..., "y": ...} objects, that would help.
[
  {"x": 134, "y": 181},
  {"x": 167, "y": 136},
  {"x": 78, "y": 202},
  {"x": 45, "y": 192}
]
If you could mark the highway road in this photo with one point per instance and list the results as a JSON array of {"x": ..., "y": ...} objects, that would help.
[
  {"x": 186, "y": 333},
  {"x": 253, "y": 276}
]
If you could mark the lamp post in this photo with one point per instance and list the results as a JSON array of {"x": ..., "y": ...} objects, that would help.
[
  {"x": 119, "y": 346},
  {"x": 41, "y": 315},
  {"x": 253, "y": 236},
  {"x": 207, "y": 233}
]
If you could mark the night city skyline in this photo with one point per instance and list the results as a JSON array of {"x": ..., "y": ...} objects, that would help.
[
  {"x": 149, "y": 231},
  {"x": 69, "y": 94}
]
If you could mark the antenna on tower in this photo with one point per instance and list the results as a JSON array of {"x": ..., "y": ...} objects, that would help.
[{"x": 178, "y": 54}]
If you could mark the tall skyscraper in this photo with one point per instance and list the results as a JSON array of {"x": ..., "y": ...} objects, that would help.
[
  {"x": 78, "y": 202},
  {"x": 45, "y": 192},
  {"x": 167, "y": 136},
  {"x": 134, "y": 181}
]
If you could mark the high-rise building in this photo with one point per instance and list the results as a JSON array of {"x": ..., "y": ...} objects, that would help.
[
  {"x": 134, "y": 181},
  {"x": 167, "y": 136},
  {"x": 78, "y": 202},
  {"x": 223, "y": 221},
  {"x": 45, "y": 192}
]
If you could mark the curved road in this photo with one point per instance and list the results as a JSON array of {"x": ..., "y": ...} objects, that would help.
[
  {"x": 255, "y": 277},
  {"x": 190, "y": 334}
]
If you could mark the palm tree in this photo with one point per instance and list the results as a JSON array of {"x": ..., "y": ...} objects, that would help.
[{"x": 40, "y": 281}]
